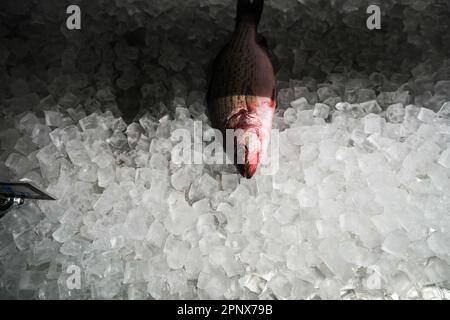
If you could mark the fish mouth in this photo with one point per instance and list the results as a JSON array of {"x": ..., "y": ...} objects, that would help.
[
  {"x": 247, "y": 153},
  {"x": 247, "y": 170}
]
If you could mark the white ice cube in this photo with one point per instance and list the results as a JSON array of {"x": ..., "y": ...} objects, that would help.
[
  {"x": 157, "y": 234},
  {"x": 426, "y": 115},
  {"x": 373, "y": 124},
  {"x": 396, "y": 244},
  {"x": 176, "y": 252},
  {"x": 444, "y": 159}
]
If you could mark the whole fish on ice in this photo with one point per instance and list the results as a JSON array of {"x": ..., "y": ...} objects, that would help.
[{"x": 242, "y": 90}]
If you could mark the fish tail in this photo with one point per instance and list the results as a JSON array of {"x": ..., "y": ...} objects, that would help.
[{"x": 249, "y": 10}]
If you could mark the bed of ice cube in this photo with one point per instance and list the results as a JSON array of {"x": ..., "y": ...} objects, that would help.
[{"x": 359, "y": 208}]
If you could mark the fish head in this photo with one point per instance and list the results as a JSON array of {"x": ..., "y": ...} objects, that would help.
[{"x": 251, "y": 136}]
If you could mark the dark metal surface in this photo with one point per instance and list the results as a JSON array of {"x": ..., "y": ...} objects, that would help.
[
  {"x": 25, "y": 190},
  {"x": 5, "y": 205}
]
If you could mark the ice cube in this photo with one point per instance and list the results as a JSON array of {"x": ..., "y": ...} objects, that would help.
[
  {"x": 64, "y": 232},
  {"x": 307, "y": 197},
  {"x": 89, "y": 122},
  {"x": 329, "y": 254},
  {"x": 193, "y": 263},
  {"x": 137, "y": 291},
  {"x": 400, "y": 283},
  {"x": 343, "y": 106},
  {"x": 300, "y": 104},
  {"x": 434, "y": 293},
  {"x": 426, "y": 115},
  {"x": 229, "y": 181},
  {"x": 305, "y": 92},
  {"x": 118, "y": 140},
  {"x": 373, "y": 124},
  {"x": 333, "y": 101},
  {"x": 224, "y": 257},
  {"x": 439, "y": 242},
  {"x": 370, "y": 106},
  {"x": 69, "y": 100},
  {"x": 28, "y": 122},
  {"x": 106, "y": 176},
  {"x": 107, "y": 288},
  {"x": 295, "y": 260},
  {"x": 43, "y": 251},
  {"x": 125, "y": 174},
  {"x": 100, "y": 153},
  {"x": 176, "y": 252},
  {"x": 134, "y": 271},
  {"x": 444, "y": 112},
  {"x": 411, "y": 112},
  {"x": 385, "y": 223},
  {"x": 88, "y": 173},
  {"x": 437, "y": 270},
  {"x": 31, "y": 280},
  {"x": 105, "y": 202},
  {"x": 321, "y": 110},
  {"x": 325, "y": 92},
  {"x": 309, "y": 152},
  {"x": 290, "y": 116},
  {"x": 53, "y": 118},
  {"x": 208, "y": 185},
  {"x": 374, "y": 281},
  {"x": 48, "y": 155},
  {"x": 134, "y": 131},
  {"x": 387, "y": 98},
  {"x": 284, "y": 97},
  {"x": 40, "y": 135},
  {"x": 157, "y": 234},
  {"x": 330, "y": 289},
  {"x": 357, "y": 255},
  {"x": 361, "y": 226},
  {"x": 395, "y": 113},
  {"x": 75, "y": 246},
  {"x": 135, "y": 226},
  {"x": 396, "y": 243},
  {"x": 280, "y": 286},
  {"x": 444, "y": 158},
  {"x": 72, "y": 216},
  {"x": 158, "y": 161},
  {"x": 76, "y": 114},
  {"x": 18, "y": 164},
  {"x": 25, "y": 146},
  {"x": 181, "y": 179},
  {"x": 60, "y": 137},
  {"x": 77, "y": 152}
]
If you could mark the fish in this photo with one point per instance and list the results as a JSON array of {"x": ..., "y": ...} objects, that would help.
[{"x": 241, "y": 96}]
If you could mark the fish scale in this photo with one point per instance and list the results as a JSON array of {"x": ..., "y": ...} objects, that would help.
[{"x": 237, "y": 74}]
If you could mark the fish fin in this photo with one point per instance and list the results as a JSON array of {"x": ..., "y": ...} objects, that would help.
[{"x": 249, "y": 9}]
